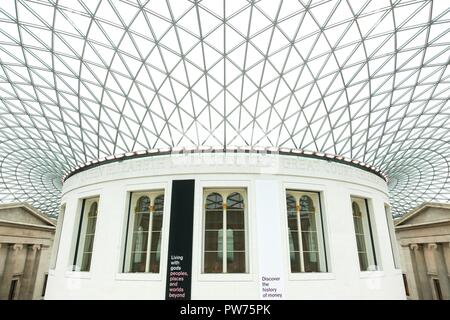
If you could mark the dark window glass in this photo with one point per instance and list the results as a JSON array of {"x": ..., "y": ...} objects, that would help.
[
  {"x": 405, "y": 283},
  {"x": 44, "y": 287},
  {"x": 437, "y": 289},
  {"x": 13, "y": 289}
]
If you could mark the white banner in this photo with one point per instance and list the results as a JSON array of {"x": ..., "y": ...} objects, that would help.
[{"x": 271, "y": 275}]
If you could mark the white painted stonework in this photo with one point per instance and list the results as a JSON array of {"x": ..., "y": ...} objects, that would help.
[{"x": 266, "y": 178}]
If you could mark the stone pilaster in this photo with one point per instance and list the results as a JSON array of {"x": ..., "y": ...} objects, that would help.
[
  {"x": 441, "y": 269},
  {"x": 420, "y": 272},
  {"x": 9, "y": 270},
  {"x": 29, "y": 274}
]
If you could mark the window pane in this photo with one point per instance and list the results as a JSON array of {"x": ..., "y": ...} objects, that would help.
[
  {"x": 156, "y": 241},
  {"x": 86, "y": 263},
  {"x": 159, "y": 203},
  {"x": 212, "y": 240},
  {"x": 235, "y": 219},
  {"x": 306, "y": 204},
  {"x": 157, "y": 221},
  {"x": 295, "y": 261},
  {"x": 213, "y": 220},
  {"x": 91, "y": 225},
  {"x": 361, "y": 242},
  {"x": 309, "y": 241},
  {"x": 143, "y": 204},
  {"x": 214, "y": 201},
  {"x": 358, "y": 225},
  {"x": 138, "y": 260},
  {"x": 154, "y": 262},
  {"x": 311, "y": 261},
  {"x": 93, "y": 210},
  {"x": 363, "y": 263},
  {"x": 140, "y": 239},
  {"x": 141, "y": 221},
  {"x": 236, "y": 262},
  {"x": 213, "y": 262},
  {"x": 88, "y": 245},
  {"x": 292, "y": 221},
  {"x": 235, "y": 240},
  {"x": 235, "y": 201},
  {"x": 294, "y": 245},
  {"x": 308, "y": 223},
  {"x": 291, "y": 203}
]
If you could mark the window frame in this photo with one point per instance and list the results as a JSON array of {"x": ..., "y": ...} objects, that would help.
[
  {"x": 369, "y": 232},
  {"x": 323, "y": 190},
  {"x": 320, "y": 230},
  {"x": 224, "y": 192},
  {"x": 153, "y": 184},
  {"x": 80, "y": 234},
  {"x": 392, "y": 237},
  {"x": 152, "y": 193}
]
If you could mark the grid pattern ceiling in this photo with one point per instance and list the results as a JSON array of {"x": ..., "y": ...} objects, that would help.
[{"x": 81, "y": 80}]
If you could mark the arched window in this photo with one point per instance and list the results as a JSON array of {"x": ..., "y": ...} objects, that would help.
[
  {"x": 140, "y": 234},
  {"x": 214, "y": 201},
  {"x": 306, "y": 241},
  {"x": 143, "y": 249},
  {"x": 294, "y": 245},
  {"x": 306, "y": 205},
  {"x": 356, "y": 209},
  {"x": 291, "y": 204},
  {"x": 213, "y": 245},
  {"x": 93, "y": 209},
  {"x": 307, "y": 212},
  {"x": 155, "y": 247},
  {"x": 92, "y": 219},
  {"x": 235, "y": 235},
  {"x": 89, "y": 237},
  {"x": 225, "y": 238},
  {"x": 363, "y": 233},
  {"x": 143, "y": 204},
  {"x": 235, "y": 201},
  {"x": 85, "y": 239}
]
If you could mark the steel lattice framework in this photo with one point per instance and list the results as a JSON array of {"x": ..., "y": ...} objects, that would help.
[{"x": 85, "y": 79}]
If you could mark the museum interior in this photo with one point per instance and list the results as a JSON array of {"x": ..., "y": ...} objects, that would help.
[{"x": 214, "y": 150}]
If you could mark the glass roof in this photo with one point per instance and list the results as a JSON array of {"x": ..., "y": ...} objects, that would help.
[{"x": 368, "y": 80}]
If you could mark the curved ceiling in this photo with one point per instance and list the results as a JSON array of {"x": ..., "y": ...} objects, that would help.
[{"x": 84, "y": 79}]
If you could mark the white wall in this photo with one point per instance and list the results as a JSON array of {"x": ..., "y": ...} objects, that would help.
[{"x": 266, "y": 177}]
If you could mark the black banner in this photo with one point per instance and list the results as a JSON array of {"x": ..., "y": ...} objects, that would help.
[{"x": 179, "y": 260}]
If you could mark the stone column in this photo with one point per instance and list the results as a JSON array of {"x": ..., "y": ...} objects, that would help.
[
  {"x": 441, "y": 269},
  {"x": 420, "y": 273},
  {"x": 10, "y": 269},
  {"x": 29, "y": 274}
]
